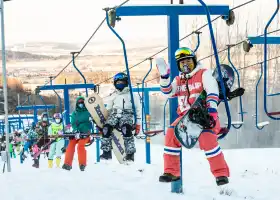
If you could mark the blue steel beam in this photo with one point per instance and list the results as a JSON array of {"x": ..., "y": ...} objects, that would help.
[
  {"x": 260, "y": 40},
  {"x": 38, "y": 107},
  {"x": 23, "y": 117},
  {"x": 156, "y": 10},
  {"x": 146, "y": 89},
  {"x": 67, "y": 87}
]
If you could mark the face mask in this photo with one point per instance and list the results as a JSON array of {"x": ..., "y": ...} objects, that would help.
[
  {"x": 57, "y": 121},
  {"x": 81, "y": 105},
  {"x": 45, "y": 119},
  {"x": 120, "y": 86}
]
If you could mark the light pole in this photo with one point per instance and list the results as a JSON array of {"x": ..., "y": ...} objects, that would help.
[{"x": 5, "y": 88}]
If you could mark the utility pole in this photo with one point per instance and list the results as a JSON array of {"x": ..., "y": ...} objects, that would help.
[{"x": 5, "y": 88}]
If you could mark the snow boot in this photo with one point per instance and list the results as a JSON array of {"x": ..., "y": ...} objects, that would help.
[
  {"x": 57, "y": 160},
  {"x": 82, "y": 167},
  {"x": 107, "y": 155},
  {"x": 50, "y": 163},
  {"x": 36, "y": 163},
  {"x": 222, "y": 180},
  {"x": 66, "y": 167},
  {"x": 167, "y": 178}
]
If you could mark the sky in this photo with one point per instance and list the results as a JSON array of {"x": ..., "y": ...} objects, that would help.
[{"x": 74, "y": 21}]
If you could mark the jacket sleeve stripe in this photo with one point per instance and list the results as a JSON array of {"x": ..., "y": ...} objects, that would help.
[{"x": 166, "y": 90}]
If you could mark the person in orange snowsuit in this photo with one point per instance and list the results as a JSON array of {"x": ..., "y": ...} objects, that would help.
[
  {"x": 80, "y": 122},
  {"x": 193, "y": 79}
]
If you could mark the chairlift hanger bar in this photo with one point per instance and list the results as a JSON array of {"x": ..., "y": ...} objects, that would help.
[{"x": 236, "y": 125}]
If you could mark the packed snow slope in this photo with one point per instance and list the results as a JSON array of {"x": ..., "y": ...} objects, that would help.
[{"x": 254, "y": 176}]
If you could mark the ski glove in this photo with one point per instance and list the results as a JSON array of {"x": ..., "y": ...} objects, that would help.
[
  {"x": 60, "y": 132},
  {"x": 163, "y": 68},
  {"x": 137, "y": 129},
  {"x": 77, "y": 136}
]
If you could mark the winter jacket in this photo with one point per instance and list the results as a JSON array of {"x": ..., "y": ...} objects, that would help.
[
  {"x": 80, "y": 119},
  {"x": 187, "y": 90},
  {"x": 121, "y": 100},
  {"x": 54, "y": 128},
  {"x": 41, "y": 130}
]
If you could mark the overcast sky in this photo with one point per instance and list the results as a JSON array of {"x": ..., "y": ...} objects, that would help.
[{"x": 75, "y": 20}]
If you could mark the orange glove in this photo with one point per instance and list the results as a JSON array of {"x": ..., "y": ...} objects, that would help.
[{"x": 137, "y": 129}]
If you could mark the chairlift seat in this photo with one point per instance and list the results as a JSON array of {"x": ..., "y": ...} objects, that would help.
[
  {"x": 154, "y": 123},
  {"x": 235, "y": 123},
  {"x": 262, "y": 124}
]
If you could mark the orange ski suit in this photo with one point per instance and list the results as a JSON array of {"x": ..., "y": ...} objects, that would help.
[
  {"x": 82, "y": 153},
  {"x": 187, "y": 90}
]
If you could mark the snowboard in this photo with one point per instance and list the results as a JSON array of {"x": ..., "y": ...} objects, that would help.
[
  {"x": 99, "y": 113},
  {"x": 43, "y": 148},
  {"x": 188, "y": 132}
]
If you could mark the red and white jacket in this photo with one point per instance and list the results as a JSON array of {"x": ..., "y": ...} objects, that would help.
[{"x": 187, "y": 90}]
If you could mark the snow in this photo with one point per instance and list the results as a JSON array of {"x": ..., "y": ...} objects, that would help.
[{"x": 254, "y": 176}]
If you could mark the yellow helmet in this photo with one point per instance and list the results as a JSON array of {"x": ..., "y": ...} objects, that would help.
[{"x": 183, "y": 53}]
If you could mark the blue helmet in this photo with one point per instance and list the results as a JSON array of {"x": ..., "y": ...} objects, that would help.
[{"x": 120, "y": 77}]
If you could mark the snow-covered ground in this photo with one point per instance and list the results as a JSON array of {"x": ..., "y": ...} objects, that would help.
[{"x": 254, "y": 175}]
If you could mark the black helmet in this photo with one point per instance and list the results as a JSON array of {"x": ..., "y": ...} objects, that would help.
[{"x": 120, "y": 77}]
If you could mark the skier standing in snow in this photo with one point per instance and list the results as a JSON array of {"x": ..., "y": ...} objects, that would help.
[
  {"x": 80, "y": 122},
  {"x": 193, "y": 79},
  {"x": 56, "y": 129},
  {"x": 121, "y": 117}
]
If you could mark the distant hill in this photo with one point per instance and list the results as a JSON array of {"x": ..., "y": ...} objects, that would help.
[{"x": 24, "y": 56}]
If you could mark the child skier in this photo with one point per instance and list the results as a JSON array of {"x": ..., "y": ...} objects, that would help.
[
  {"x": 41, "y": 129},
  {"x": 193, "y": 79},
  {"x": 55, "y": 129},
  {"x": 80, "y": 122},
  {"x": 121, "y": 117}
]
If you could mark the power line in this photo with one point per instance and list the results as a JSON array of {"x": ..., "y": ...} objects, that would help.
[
  {"x": 258, "y": 63},
  {"x": 84, "y": 46},
  {"x": 180, "y": 39},
  {"x": 241, "y": 42}
]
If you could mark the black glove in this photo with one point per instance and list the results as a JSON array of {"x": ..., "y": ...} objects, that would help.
[
  {"x": 199, "y": 115},
  {"x": 236, "y": 93}
]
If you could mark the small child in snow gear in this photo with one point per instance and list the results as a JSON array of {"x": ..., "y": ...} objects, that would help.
[
  {"x": 193, "y": 79},
  {"x": 12, "y": 149},
  {"x": 121, "y": 117},
  {"x": 56, "y": 129},
  {"x": 80, "y": 122},
  {"x": 41, "y": 129}
]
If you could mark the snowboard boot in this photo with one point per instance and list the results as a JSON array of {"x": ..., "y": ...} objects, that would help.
[
  {"x": 36, "y": 163},
  {"x": 129, "y": 157},
  {"x": 82, "y": 167},
  {"x": 107, "y": 155},
  {"x": 167, "y": 178},
  {"x": 50, "y": 163},
  {"x": 57, "y": 160},
  {"x": 66, "y": 167},
  {"x": 222, "y": 180}
]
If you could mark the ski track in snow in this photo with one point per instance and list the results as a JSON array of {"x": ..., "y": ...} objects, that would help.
[{"x": 254, "y": 176}]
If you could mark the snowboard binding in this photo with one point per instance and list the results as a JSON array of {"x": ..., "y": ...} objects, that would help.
[
  {"x": 199, "y": 115},
  {"x": 229, "y": 95}
]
